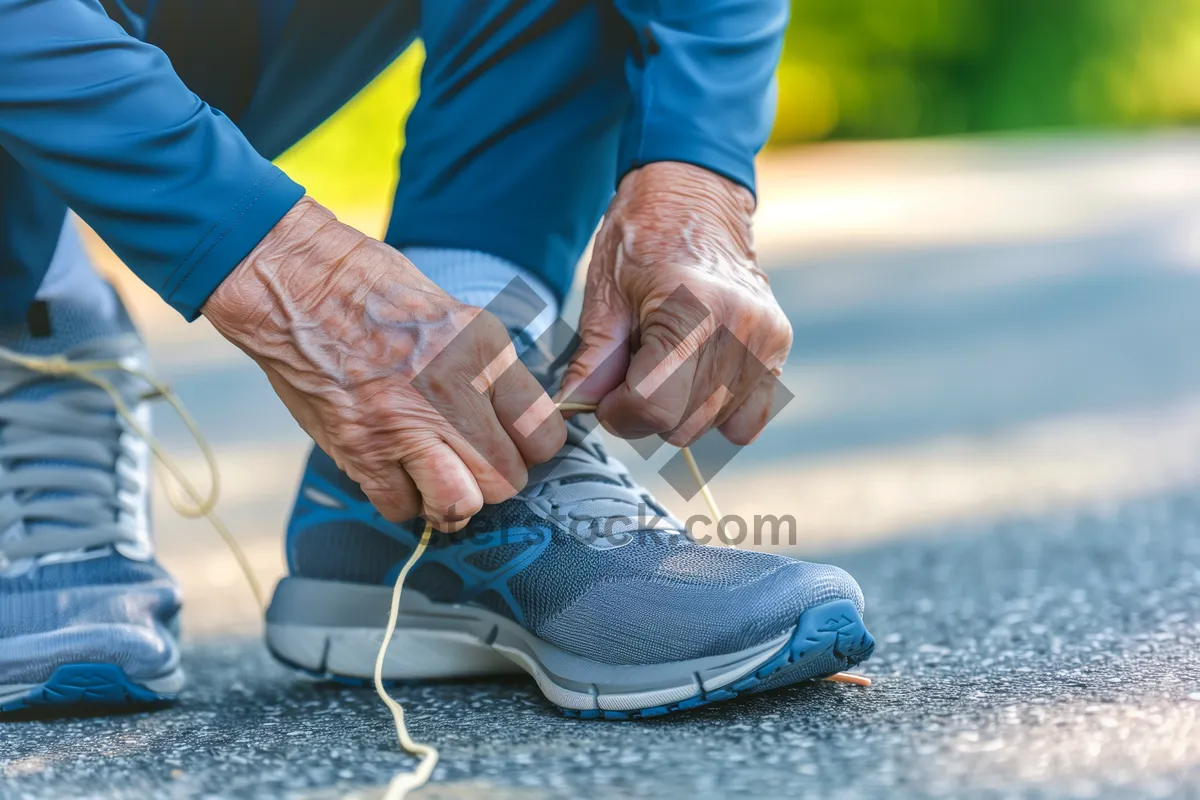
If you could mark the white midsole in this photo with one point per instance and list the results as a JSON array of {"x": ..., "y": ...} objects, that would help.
[{"x": 424, "y": 654}]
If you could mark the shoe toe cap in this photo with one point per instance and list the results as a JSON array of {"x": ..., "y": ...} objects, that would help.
[
  {"x": 125, "y": 625},
  {"x": 643, "y": 621}
]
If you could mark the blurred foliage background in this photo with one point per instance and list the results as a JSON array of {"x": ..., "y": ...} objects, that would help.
[
  {"x": 900, "y": 68},
  {"x": 878, "y": 69}
]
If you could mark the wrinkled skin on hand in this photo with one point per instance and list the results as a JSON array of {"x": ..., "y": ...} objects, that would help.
[
  {"x": 347, "y": 331},
  {"x": 673, "y": 261}
]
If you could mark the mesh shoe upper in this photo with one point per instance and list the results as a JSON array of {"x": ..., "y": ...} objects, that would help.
[
  {"x": 582, "y": 557},
  {"x": 78, "y": 582}
]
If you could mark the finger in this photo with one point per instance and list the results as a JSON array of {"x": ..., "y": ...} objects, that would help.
[
  {"x": 477, "y": 437},
  {"x": 657, "y": 390},
  {"x": 746, "y": 421},
  {"x": 527, "y": 415},
  {"x": 701, "y": 419},
  {"x": 631, "y": 414},
  {"x": 488, "y": 450},
  {"x": 388, "y": 487},
  {"x": 515, "y": 421},
  {"x": 391, "y": 491},
  {"x": 449, "y": 494},
  {"x": 457, "y": 386},
  {"x": 725, "y": 377},
  {"x": 601, "y": 358}
]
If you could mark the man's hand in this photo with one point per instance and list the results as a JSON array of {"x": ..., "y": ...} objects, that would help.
[
  {"x": 673, "y": 262},
  {"x": 345, "y": 328}
]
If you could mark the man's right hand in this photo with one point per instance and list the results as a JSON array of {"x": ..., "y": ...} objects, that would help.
[{"x": 346, "y": 328}]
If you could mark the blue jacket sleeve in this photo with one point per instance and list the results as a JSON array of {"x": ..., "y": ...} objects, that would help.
[
  {"x": 101, "y": 118},
  {"x": 702, "y": 76}
]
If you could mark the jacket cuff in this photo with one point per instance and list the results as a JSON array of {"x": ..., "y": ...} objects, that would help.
[
  {"x": 656, "y": 144},
  {"x": 229, "y": 241}
]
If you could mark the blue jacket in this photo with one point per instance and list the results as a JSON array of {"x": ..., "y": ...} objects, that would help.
[{"x": 92, "y": 117}]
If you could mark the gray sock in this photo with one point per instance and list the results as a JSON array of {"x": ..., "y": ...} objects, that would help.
[
  {"x": 479, "y": 278},
  {"x": 72, "y": 278}
]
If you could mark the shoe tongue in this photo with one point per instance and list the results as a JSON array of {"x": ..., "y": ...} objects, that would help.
[{"x": 55, "y": 326}]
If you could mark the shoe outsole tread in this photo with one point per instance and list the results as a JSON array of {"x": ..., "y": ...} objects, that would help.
[{"x": 85, "y": 687}]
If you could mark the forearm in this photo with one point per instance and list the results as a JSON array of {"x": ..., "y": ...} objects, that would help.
[
  {"x": 702, "y": 80},
  {"x": 101, "y": 118}
]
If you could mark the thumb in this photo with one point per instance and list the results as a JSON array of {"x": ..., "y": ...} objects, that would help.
[{"x": 601, "y": 359}]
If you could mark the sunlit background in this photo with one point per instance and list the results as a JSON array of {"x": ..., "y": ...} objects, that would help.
[
  {"x": 981, "y": 217},
  {"x": 864, "y": 69}
]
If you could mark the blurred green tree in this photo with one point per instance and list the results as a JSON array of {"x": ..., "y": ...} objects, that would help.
[
  {"x": 900, "y": 68},
  {"x": 872, "y": 69}
]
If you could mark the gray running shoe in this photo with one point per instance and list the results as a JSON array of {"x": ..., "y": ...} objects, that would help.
[
  {"x": 86, "y": 613},
  {"x": 583, "y": 580}
]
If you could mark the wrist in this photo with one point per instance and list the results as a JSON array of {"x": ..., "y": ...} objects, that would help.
[
  {"x": 295, "y": 255},
  {"x": 675, "y": 180},
  {"x": 671, "y": 197}
]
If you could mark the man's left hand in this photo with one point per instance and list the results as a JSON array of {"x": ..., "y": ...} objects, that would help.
[{"x": 673, "y": 265}]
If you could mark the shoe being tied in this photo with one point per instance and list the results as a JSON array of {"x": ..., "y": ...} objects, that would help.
[
  {"x": 87, "y": 616},
  {"x": 582, "y": 580}
]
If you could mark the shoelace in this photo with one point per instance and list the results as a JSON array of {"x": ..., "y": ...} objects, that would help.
[
  {"x": 62, "y": 495},
  {"x": 204, "y": 506},
  {"x": 91, "y": 371}
]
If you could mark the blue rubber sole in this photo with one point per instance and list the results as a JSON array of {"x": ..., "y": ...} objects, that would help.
[
  {"x": 828, "y": 639},
  {"x": 85, "y": 686}
]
